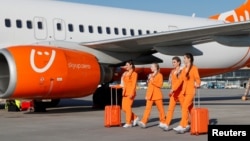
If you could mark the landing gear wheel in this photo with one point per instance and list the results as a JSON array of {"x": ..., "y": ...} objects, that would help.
[
  {"x": 53, "y": 103},
  {"x": 39, "y": 106}
]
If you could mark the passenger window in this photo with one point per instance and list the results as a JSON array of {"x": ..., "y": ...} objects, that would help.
[
  {"x": 116, "y": 30},
  {"x": 40, "y": 25},
  {"x": 140, "y": 32},
  {"x": 148, "y": 32},
  {"x": 91, "y": 30},
  {"x": 7, "y": 23},
  {"x": 155, "y": 31},
  {"x": 18, "y": 23},
  {"x": 59, "y": 26},
  {"x": 108, "y": 31},
  {"x": 29, "y": 24},
  {"x": 81, "y": 28},
  {"x": 124, "y": 32},
  {"x": 71, "y": 28},
  {"x": 132, "y": 32},
  {"x": 99, "y": 29}
]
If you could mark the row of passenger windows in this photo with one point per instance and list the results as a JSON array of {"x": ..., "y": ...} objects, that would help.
[{"x": 81, "y": 28}]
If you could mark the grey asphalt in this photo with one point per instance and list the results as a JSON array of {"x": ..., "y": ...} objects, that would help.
[{"x": 76, "y": 120}]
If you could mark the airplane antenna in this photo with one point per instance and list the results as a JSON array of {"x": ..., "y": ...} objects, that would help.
[{"x": 193, "y": 15}]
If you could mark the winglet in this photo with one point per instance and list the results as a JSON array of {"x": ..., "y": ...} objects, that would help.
[{"x": 242, "y": 13}]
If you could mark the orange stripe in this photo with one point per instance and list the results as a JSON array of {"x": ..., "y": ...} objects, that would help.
[{"x": 235, "y": 65}]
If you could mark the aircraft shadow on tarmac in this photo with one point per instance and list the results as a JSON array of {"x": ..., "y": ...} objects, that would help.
[
  {"x": 69, "y": 106},
  {"x": 79, "y": 105}
]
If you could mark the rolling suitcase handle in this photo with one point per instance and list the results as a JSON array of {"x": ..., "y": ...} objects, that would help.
[
  {"x": 198, "y": 105},
  {"x": 116, "y": 101},
  {"x": 198, "y": 97}
]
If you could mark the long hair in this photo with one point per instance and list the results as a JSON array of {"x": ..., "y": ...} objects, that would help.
[
  {"x": 131, "y": 63},
  {"x": 191, "y": 57},
  {"x": 178, "y": 59}
]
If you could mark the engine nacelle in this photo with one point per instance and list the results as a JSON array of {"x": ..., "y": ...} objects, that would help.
[{"x": 40, "y": 72}]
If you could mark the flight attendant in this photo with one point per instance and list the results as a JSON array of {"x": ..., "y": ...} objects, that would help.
[
  {"x": 129, "y": 83},
  {"x": 153, "y": 95},
  {"x": 191, "y": 80},
  {"x": 174, "y": 97}
]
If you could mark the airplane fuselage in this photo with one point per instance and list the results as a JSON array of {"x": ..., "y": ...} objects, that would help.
[
  {"x": 79, "y": 23},
  {"x": 68, "y": 26}
]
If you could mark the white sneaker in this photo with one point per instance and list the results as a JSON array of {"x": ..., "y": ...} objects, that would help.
[
  {"x": 127, "y": 125},
  {"x": 180, "y": 129},
  {"x": 187, "y": 128},
  {"x": 166, "y": 127},
  {"x": 141, "y": 124},
  {"x": 135, "y": 121},
  {"x": 177, "y": 128},
  {"x": 161, "y": 125}
]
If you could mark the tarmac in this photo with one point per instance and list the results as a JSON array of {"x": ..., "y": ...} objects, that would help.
[{"x": 76, "y": 120}]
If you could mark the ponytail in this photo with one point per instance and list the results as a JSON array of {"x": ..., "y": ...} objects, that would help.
[{"x": 189, "y": 56}]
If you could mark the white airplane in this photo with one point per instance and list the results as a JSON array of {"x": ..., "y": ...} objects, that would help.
[{"x": 55, "y": 50}]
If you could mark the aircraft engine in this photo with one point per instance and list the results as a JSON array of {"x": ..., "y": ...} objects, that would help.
[{"x": 42, "y": 72}]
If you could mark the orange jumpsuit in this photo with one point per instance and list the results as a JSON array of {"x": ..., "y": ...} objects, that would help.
[
  {"x": 128, "y": 95},
  {"x": 154, "y": 95},
  {"x": 188, "y": 90},
  {"x": 174, "y": 97}
]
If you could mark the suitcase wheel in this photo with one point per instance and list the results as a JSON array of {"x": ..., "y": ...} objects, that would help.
[{"x": 197, "y": 134}]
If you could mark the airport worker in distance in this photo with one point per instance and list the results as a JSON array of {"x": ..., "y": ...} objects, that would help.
[
  {"x": 154, "y": 95},
  {"x": 129, "y": 83},
  {"x": 191, "y": 80},
  {"x": 244, "y": 97}
]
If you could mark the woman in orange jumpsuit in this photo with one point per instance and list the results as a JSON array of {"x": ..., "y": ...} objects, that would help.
[
  {"x": 175, "y": 97},
  {"x": 190, "y": 80},
  {"x": 129, "y": 82},
  {"x": 154, "y": 95}
]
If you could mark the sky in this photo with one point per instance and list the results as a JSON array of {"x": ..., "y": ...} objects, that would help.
[{"x": 201, "y": 8}]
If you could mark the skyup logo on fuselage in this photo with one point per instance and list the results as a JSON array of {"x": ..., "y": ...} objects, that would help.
[{"x": 233, "y": 16}]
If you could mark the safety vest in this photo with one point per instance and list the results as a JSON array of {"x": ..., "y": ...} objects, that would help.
[{"x": 18, "y": 103}]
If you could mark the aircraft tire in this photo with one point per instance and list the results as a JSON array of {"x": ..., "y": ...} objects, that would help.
[
  {"x": 53, "y": 103},
  {"x": 39, "y": 106}
]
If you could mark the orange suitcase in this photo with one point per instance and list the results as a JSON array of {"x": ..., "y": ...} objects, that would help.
[
  {"x": 199, "y": 119},
  {"x": 112, "y": 115}
]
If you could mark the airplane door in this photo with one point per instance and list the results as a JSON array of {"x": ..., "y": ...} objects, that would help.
[
  {"x": 59, "y": 29},
  {"x": 40, "y": 26}
]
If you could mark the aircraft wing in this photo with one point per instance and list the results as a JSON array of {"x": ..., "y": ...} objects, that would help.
[{"x": 177, "y": 42}]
